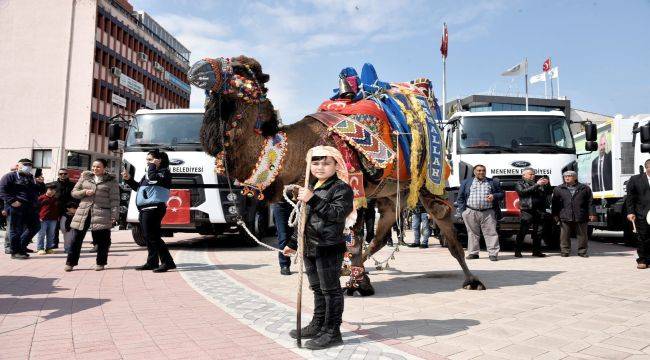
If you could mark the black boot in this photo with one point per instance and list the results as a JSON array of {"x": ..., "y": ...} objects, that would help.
[
  {"x": 310, "y": 331},
  {"x": 328, "y": 338}
]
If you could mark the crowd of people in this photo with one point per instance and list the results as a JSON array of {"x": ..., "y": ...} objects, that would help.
[{"x": 32, "y": 207}]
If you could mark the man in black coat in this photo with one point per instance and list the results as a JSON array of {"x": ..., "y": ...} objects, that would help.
[
  {"x": 601, "y": 167},
  {"x": 572, "y": 206},
  {"x": 532, "y": 203},
  {"x": 637, "y": 206},
  {"x": 63, "y": 196},
  {"x": 20, "y": 192}
]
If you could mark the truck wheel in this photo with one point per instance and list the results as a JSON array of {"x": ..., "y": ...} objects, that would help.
[{"x": 138, "y": 236}]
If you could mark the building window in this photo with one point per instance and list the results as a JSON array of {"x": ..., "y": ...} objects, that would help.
[
  {"x": 42, "y": 159},
  {"x": 78, "y": 160}
]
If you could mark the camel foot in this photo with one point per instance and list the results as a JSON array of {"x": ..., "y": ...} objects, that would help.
[{"x": 473, "y": 284}]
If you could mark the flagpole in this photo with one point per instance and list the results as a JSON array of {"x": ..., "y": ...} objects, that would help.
[
  {"x": 526, "y": 83},
  {"x": 444, "y": 78},
  {"x": 558, "y": 83}
]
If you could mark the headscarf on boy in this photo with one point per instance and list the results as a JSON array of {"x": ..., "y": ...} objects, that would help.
[{"x": 341, "y": 173}]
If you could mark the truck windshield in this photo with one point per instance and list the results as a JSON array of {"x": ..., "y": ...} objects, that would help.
[
  {"x": 516, "y": 134},
  {"x": 165, "y": 131}
]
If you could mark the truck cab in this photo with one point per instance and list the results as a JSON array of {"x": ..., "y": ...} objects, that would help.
[
  {"x": 506, "y": 142},
  {"x": 200, "y": 200}
]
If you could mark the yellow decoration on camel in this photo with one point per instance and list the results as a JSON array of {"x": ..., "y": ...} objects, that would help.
[{"x": 268, "y": 166}]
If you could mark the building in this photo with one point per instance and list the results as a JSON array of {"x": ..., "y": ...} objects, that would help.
[{"x": 62, "y": 80}]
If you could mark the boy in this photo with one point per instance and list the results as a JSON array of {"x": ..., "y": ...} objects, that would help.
[
  {"x": 329, "y": 204},
  {"x": 66, "y": 219},
  {"x": 48, "y": 214}
]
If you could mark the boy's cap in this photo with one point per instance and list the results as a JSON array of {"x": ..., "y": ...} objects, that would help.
[{"x": 25, "y": 160}]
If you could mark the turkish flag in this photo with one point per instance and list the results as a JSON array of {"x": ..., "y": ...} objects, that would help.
[
  {"x": 547, "y": 65},
  {"x": 512, "y": 203},
  {"x": 178, "y": 208},
  {"x": 444, "y": 45}
]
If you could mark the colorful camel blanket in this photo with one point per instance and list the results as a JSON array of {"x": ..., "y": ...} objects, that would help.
[{"x": 403, "y": 115}]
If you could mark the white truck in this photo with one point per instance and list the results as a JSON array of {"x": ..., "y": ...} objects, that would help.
[
  {"x": 607, "y": 170},
  {"x": 506, "y": 142},
  {"x": 200, "y": 200}
]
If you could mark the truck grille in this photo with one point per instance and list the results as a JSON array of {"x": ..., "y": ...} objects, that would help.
[{"x": 190, "y": 181}]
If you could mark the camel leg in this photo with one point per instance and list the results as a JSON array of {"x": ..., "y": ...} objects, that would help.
[
  {"x": 359, "y": 280},
  {"x": 386, "y": 207},
  {"x": 442, "y": 214}
]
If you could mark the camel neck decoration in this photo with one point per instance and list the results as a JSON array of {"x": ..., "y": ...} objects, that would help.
[{"x": 268, "y": 166}]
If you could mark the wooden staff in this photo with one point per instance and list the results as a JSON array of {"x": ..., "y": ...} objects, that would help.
[{"x": 301, "y": 252}]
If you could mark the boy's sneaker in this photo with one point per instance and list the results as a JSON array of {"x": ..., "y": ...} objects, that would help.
[
  {"x": 41, "y": 252},
  {"x": 68, "y": 268},
  {"x": 99, "y": 267},
  {"x": 49, "y": 251},
  {"x": 327, "y": 338}
]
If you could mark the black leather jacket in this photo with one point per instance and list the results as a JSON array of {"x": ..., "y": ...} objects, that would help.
[
  {"x": 326, "y": 214},
  {"x": 532, "y": 196}
]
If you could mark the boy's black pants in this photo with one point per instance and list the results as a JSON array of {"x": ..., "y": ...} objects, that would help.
[{"x": 323, "y": 271}]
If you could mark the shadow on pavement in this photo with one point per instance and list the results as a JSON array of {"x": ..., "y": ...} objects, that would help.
[
  {"x": 408, "y": 329},
  {"x": 442, "y": 281},
  {"x": 19, "y": 286}
]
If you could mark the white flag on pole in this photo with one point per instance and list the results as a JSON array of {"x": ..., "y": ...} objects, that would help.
[
  {"x": 554, "y": 72},
  {"x": 538, "y": 78},
  {"x": 517, "y": 70}
]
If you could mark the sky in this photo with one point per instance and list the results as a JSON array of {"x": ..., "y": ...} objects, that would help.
[{"x": 602, "y": 48}]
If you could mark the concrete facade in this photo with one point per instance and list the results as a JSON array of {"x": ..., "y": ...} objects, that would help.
[{"x": 59, "y": 89}]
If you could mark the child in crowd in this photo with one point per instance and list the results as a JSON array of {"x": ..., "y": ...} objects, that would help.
[
  {"x": 48, "y": 214},
  {"x": 66, "y": 219},
  {"x": 329, "y": 201}
]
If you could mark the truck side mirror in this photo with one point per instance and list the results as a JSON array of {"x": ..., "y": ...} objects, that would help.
[
  {"x": 591, "y": 146},
  {"x": 645, "y": 138},
  {"x": 114, "y": 132},
  {"x": 590, "y": 132}
]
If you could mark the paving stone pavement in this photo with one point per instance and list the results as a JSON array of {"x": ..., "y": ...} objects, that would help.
[{"x": 231, "y": 302}]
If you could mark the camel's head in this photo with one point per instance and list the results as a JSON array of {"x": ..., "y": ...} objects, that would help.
[{"x": 236, "y": 100}]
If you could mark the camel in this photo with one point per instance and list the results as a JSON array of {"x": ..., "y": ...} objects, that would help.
[{"x": 239, "y": 120}]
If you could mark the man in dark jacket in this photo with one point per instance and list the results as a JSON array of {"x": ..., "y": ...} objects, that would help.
[
  {"x": 20, "y": 192},
  {"x": 63, "y": 196},
  {"x": 637, "y": 205},
  {"x": 532, "y": 203},
  {"x": 572, "y": 206},
  {"x": 478, "y": 202}
]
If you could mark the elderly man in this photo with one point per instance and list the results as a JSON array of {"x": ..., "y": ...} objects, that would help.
[
  {"x": 638, "y": 206},
  {"x": 572, "y": 206},
  {"x": 20, "y": 193},
  {"x": 532, "y": 203},
  {"x": 478, "y": 202}
]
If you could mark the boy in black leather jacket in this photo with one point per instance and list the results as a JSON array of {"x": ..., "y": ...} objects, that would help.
[{"x": 329, "y": 201}]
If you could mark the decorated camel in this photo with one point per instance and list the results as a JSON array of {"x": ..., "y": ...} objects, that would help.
[{"x": 386, "y": 132}]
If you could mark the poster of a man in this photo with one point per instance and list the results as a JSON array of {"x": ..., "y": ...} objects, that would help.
[{"x": 601, "y": 166}]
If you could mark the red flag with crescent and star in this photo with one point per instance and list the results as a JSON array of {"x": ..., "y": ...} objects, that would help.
[
  {"x": 444, "y": 45},
  {"x": 547, "y": 65},
  {"x": 178, "y": 207}
]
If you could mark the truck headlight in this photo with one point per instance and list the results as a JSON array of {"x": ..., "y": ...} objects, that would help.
[
  {"x": 231, "y": 197},
  {"x": 232, "y": 210}
]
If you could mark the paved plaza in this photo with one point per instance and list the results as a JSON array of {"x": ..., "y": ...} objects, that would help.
[{"x": 230, "y": 302}]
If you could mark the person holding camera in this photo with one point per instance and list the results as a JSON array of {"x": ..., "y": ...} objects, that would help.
[
  {"x": 151, "y": 200},
  {"x": 532, "y": 203}
]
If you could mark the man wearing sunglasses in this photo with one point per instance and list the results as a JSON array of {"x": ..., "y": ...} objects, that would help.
[
  {"x": 20, "y": 194},
  {"x": 63, "y": 196}
]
